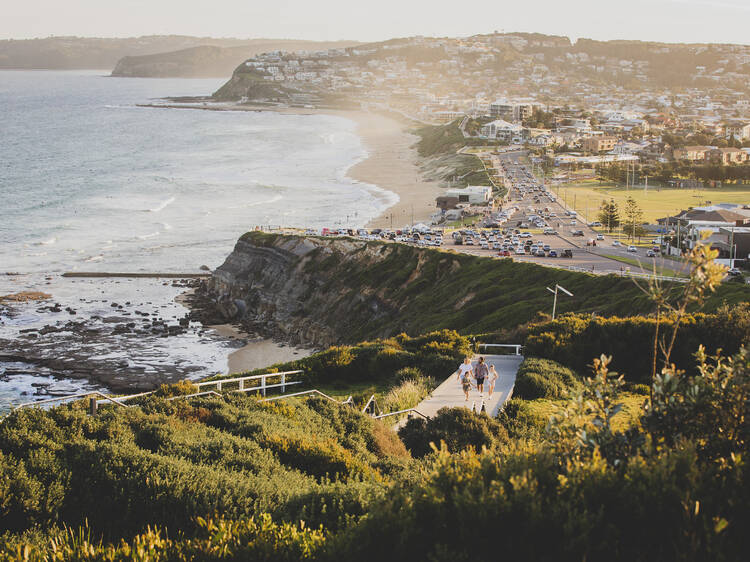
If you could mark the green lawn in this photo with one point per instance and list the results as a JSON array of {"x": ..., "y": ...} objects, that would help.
[{"x": 657, "y": 202}]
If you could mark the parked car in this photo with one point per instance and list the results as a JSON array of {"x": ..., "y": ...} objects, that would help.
[
  {"x": 567, "y": 253},
  {"x": 650, "y": 254},
  {"x": 616, "y": 243},
  {"x": 552, "y": 254},
  {"x": 632, "y": 249},
  {"x": 577, "y": 233},
  {"x": 600, "y": 237}
]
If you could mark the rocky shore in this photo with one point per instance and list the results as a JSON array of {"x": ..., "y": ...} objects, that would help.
[{"x": 119, "y": 346}]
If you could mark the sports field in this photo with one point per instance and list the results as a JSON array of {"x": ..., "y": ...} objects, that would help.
[{"x": 656, "y": 202}]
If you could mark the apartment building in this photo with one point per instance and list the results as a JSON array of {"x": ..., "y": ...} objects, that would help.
[
  {"x": 739, "y": 131},
  {"x": 691, "y": 153},
  {"x": 727, "y": 156},
  {"x": 598, "y": 144}
]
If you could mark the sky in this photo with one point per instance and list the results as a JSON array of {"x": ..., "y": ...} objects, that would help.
[{"x": 684, "y": 21}]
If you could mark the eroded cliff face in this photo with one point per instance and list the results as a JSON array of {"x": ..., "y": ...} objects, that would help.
[{"x": 296, "y": 289}]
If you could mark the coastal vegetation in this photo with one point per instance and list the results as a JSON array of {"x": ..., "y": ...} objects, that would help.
[
  {"x": 233, "y": 478},
  {"x": 355, "y": 290},
  {"x": 584, "y": 456}
]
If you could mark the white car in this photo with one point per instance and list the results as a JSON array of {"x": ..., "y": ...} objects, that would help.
[
  {"x": 632, "y": 249},
  {"x": 616, "y": 243}
]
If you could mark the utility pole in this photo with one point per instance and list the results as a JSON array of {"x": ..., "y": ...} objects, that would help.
[{"x": 732, "y": 251}]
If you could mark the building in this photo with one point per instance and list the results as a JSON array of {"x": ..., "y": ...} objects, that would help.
[
  {"x": 473, "y": 194},
  {"x": 501, "y": 129},
  {"x": 444, "y": 202},
  {"x": 692, "y": 153},
  {"x": 727, "y": 156},
  {"x": 501, "y": 109},
  {"x": 739, "y": 131},
  {"x": 598, "y": 144}
]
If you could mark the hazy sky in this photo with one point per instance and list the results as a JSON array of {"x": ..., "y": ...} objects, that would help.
[{"x": 663, "y": 20}]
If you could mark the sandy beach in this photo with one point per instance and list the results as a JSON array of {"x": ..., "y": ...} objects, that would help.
[
  {"x": 257, "y": 353},
  {"x": 392, "y": 165}
]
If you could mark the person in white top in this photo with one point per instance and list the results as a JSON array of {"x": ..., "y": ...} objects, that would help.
[
  {"x": 464, "y": 374},
  {"x": 491, "y": 378}
]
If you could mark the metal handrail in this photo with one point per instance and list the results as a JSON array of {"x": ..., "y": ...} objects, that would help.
[
  {"x": 313, "y": 391},
  {"x": 400, "y": 412},
  {"x": 70, "y": 397},
  {"x": 372, "y": 401},
  {"x": 220, "y": 382},
  {"x": 195, "y": 394}
]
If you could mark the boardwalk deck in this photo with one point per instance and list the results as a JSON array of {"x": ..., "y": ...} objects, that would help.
[{"x": 449, "y": 393}]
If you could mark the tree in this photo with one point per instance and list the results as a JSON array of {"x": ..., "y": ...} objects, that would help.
[
  {"x": 633, "y": 218},
  {"x": 609, "y": 215}
]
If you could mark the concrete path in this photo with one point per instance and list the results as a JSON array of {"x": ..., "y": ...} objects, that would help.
[{"x": 450, "y": 394}]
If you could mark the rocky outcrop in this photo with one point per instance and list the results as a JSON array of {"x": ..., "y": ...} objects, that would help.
[{"x": 290, "y": 288}]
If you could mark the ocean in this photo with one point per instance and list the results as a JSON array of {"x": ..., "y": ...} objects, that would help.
[{"x": 89, "y": 181}]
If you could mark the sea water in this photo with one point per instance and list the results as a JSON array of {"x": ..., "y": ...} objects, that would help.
[{"x": 90, "y": 181}]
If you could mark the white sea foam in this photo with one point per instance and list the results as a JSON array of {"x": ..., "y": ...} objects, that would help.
[
  {"x": 94, "y": 258},
  {"x": 47, "y": 242},
  {"x": 148, "y": 236},
  {"x": 163, "y": 205}
]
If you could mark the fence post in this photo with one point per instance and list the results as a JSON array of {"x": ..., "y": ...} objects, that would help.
[
  {"x": 92, "y": 405},
  {"x": 242, "y": 384},
  {"x": 218, "y": 386},
  {"x": 283, "y": 384},
  {"x": 263, "y": 385}
]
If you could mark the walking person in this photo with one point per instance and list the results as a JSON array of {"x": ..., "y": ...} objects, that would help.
[
  {"x": 480, "y": 373},
  {"x": 465, "y": 371},
  {"x": 491, "y": 379}
]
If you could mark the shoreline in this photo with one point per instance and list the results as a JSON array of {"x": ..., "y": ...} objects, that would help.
[
  {"x": 391, "y": 163},
  {"x": 256, "y": 353}
]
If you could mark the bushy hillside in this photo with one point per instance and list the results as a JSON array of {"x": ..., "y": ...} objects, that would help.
[{"x": 326, "y": 291}]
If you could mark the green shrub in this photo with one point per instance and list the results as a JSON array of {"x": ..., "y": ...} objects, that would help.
[
  {"x": 574, "y": 340},
  {"x": 542, "y": 378},
  {"x": 458, "y": 428}
]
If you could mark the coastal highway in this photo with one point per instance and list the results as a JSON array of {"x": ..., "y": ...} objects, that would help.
[{"x": 610, "y": 255}]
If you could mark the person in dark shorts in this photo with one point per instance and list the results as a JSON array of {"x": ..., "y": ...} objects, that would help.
[{"x": 480, "y": 373}]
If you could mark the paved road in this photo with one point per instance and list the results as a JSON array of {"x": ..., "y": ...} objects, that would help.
[
  {"x": 449, "y": 393},
  {"x": 593, "y": 259}
]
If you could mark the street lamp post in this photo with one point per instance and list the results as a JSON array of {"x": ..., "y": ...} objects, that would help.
[{"x": 554, "y": 292}]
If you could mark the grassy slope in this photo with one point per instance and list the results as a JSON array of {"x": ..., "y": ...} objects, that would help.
[{"x": 428, "y": 290}]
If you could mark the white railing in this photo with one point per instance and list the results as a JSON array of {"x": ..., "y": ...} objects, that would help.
[
  {"x": 349, "y": 400},
  {"x": 262, "y": 387},
  {"x": 517, "y": 347},
  {"x": 408, "y": 410},
  {"x": 105, "y": 398}
]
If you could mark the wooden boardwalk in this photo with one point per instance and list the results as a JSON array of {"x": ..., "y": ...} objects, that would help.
[{"x": 450, "y": 394}]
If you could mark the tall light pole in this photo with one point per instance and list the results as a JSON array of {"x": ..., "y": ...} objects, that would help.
[{"x": 554, "y": 292}]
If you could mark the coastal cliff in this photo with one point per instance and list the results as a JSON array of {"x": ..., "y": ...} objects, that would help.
[{"x": 316, "y": 292}]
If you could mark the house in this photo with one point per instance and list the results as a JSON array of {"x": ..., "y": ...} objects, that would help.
[
  {"x": 598, "y": 144},
  {"x": 473, "y": 194},
  {"x": 727, "y": 156},
  {"x": 692, "y": 153}
]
